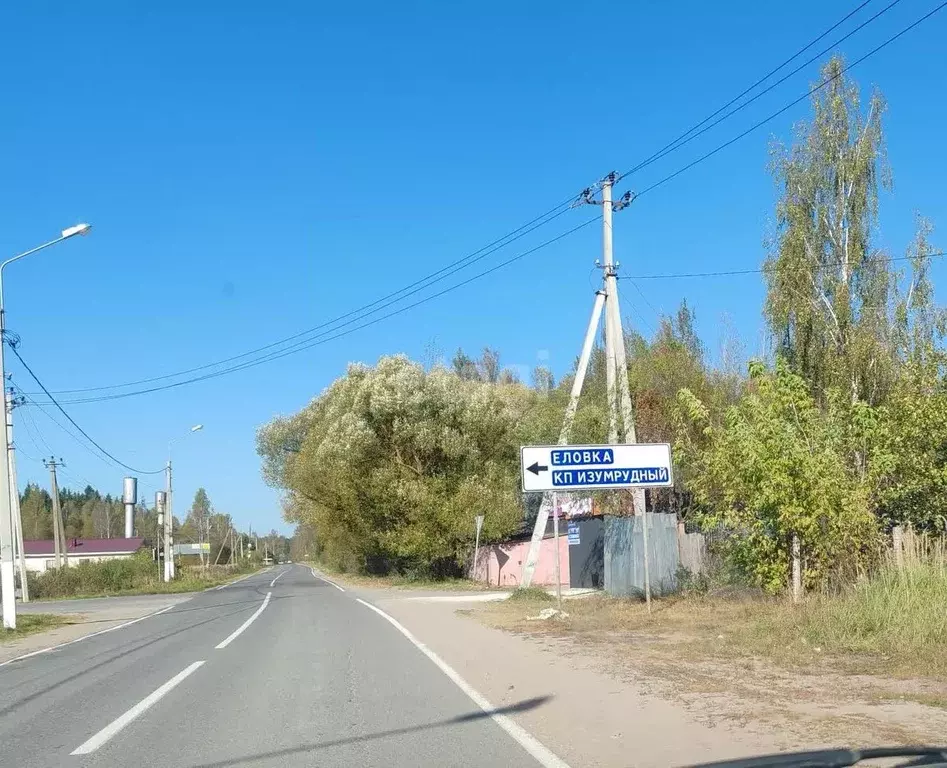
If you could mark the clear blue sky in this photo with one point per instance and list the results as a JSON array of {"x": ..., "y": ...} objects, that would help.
[{"x": 252, "y": 169}]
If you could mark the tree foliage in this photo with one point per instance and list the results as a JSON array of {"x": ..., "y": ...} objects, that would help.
[
  {"x": 774, "y": 467},
  {"x": 829, "y": 286},
  {"x": 837, "y": 437},
  {"x": 395, "y": 462}
]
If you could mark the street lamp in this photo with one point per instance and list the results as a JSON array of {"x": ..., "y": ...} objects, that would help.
[
  {"x": 169, "y": 513},
  {"x": 6, "y": 507}
]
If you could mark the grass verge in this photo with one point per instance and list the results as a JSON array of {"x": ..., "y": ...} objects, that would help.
[
  {"x": 31, "y": 623},
  {"x": 894, "y": 623}
]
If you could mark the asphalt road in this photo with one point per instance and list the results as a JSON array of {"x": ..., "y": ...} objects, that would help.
[{"x": 291, "y": 672}]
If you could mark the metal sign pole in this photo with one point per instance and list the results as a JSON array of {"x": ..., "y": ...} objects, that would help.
[{"x": 555, "y": 536}]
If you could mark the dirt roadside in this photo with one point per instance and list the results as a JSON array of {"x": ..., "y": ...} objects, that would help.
[
  {"x": 608, "y": 708},
  {"x": 592, "y": 717}
]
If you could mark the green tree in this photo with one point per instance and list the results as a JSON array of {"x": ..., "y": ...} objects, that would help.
[
  {"x": 829, "y": 286},
  {"x": 36, "y": 513},
  {"x": 907, "y": 450},
  {"x": 773, "y": 467},
  {"x": 465, "y": 366},
  {"x": 395, "y": 463},
  {"x": 543, "y": 380},
  {"x": 197, "y": 523}
]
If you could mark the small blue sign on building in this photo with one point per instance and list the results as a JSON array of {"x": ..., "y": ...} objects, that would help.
[{"x": 573, "y": 532}]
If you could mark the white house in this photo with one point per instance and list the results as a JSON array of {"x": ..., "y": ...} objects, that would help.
[{"x": 40, "y": 553}]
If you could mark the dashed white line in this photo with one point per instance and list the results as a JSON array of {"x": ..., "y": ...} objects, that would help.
[
  {"x": 277, "y": 578},
  {"x": 323, "y": 578},
  {"x": 86, "y": 637},
  {"x": 116, "y": 725},
  {"x": 236, "y": 633},
  {"x": 526, "y": 740}
]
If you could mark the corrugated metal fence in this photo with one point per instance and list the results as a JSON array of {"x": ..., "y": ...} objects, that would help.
[
  {"x": 624, "y": 550},
  {"x": 692, "y": 548}
]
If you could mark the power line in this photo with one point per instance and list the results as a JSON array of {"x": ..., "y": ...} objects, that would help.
[
  {"x": 72, "y": 435},
  {"x": 658, "y": 315},
  {"x": 793, "y": 103},
  {"x": 375, "y": 306},
  {"x": 34, "y": 432},
  {"x": 72, "y": 421},
  {"x": 445, "y": 272},
  {"x": 300, "y": 347},
  {"x": 761, "y": 270},
  {"x": 492, "y": 247},
  {"x": 685, "y": 138}
]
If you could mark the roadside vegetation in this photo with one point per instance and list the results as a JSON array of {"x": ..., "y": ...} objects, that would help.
[
  {"x": 31, "y": 623},
  {"x": 400, "y": 581},
  {"x": 890, "y": 623},
  {"x": 825, "y": 443},
  {"x": 132, "y": 576}
]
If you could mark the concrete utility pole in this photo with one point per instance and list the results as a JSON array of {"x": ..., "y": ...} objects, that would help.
[
  {"x": 620, "y": 410},
  {"x": 7, "y": 597},
  {"x": 611, "y": 284},
  {"x": 11, "y": 402},
  {"x": 545, "y": 507},
  {"x": 168, "y": 526},
  {"x": 59, "y": 532},
  {"x": 617, "y": 364},
  {"x": 159, "y": 533},
  {"x": 169, "y": 511}
]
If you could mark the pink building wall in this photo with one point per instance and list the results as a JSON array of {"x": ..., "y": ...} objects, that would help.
[{"x": 502, "y": 564}]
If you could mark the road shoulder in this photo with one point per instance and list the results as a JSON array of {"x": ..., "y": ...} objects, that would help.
[{"x": 91, "y": 616}]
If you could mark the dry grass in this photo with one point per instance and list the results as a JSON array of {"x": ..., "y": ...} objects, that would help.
[
  {"x": 865, "y": 664},
  {"x": 31, "y": 623},
  {"x": 893, "y": 623},
  {"x": 754, "y": 661}
]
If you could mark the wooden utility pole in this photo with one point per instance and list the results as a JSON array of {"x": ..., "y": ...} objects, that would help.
[{"x": 59, "y": 532}]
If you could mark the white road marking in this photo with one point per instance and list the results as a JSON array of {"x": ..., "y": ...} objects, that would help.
[
  {"x": 236, "y": 633},
  {"x": 527, "y": 741},
  {"x": 322, "y": 578},
  {"x": 116, "y": 725},
  {"x": 277, "y": 578},
  {"x": 86, "y": 637},
  {"x": 235, "y": 581}
]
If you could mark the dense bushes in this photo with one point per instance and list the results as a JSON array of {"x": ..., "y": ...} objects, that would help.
[{"x": 111, "y": 577}]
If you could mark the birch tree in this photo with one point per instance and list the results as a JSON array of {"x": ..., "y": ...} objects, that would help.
[{"x": 830, "y": 287}]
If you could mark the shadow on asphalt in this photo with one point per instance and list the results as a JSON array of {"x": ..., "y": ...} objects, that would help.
[{"x": 510, "y": 709}]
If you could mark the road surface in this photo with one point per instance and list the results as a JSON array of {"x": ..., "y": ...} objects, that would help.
[{"x": 280, "y": 669}]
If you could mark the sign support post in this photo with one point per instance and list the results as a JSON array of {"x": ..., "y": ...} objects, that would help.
[
  {"x": 479, "y": 521},
  {"x": 555, "y": 536}
]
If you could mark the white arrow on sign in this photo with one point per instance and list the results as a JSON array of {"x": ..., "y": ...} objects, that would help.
[{"x": 595, "y": 467}]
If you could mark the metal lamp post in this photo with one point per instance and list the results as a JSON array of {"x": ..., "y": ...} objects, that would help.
[{"x": 6, "y": 520}]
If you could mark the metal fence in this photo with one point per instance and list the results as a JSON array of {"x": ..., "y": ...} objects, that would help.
[
  {"x": 624, "y": 554},
  {"x": 692, "y": 549}
]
